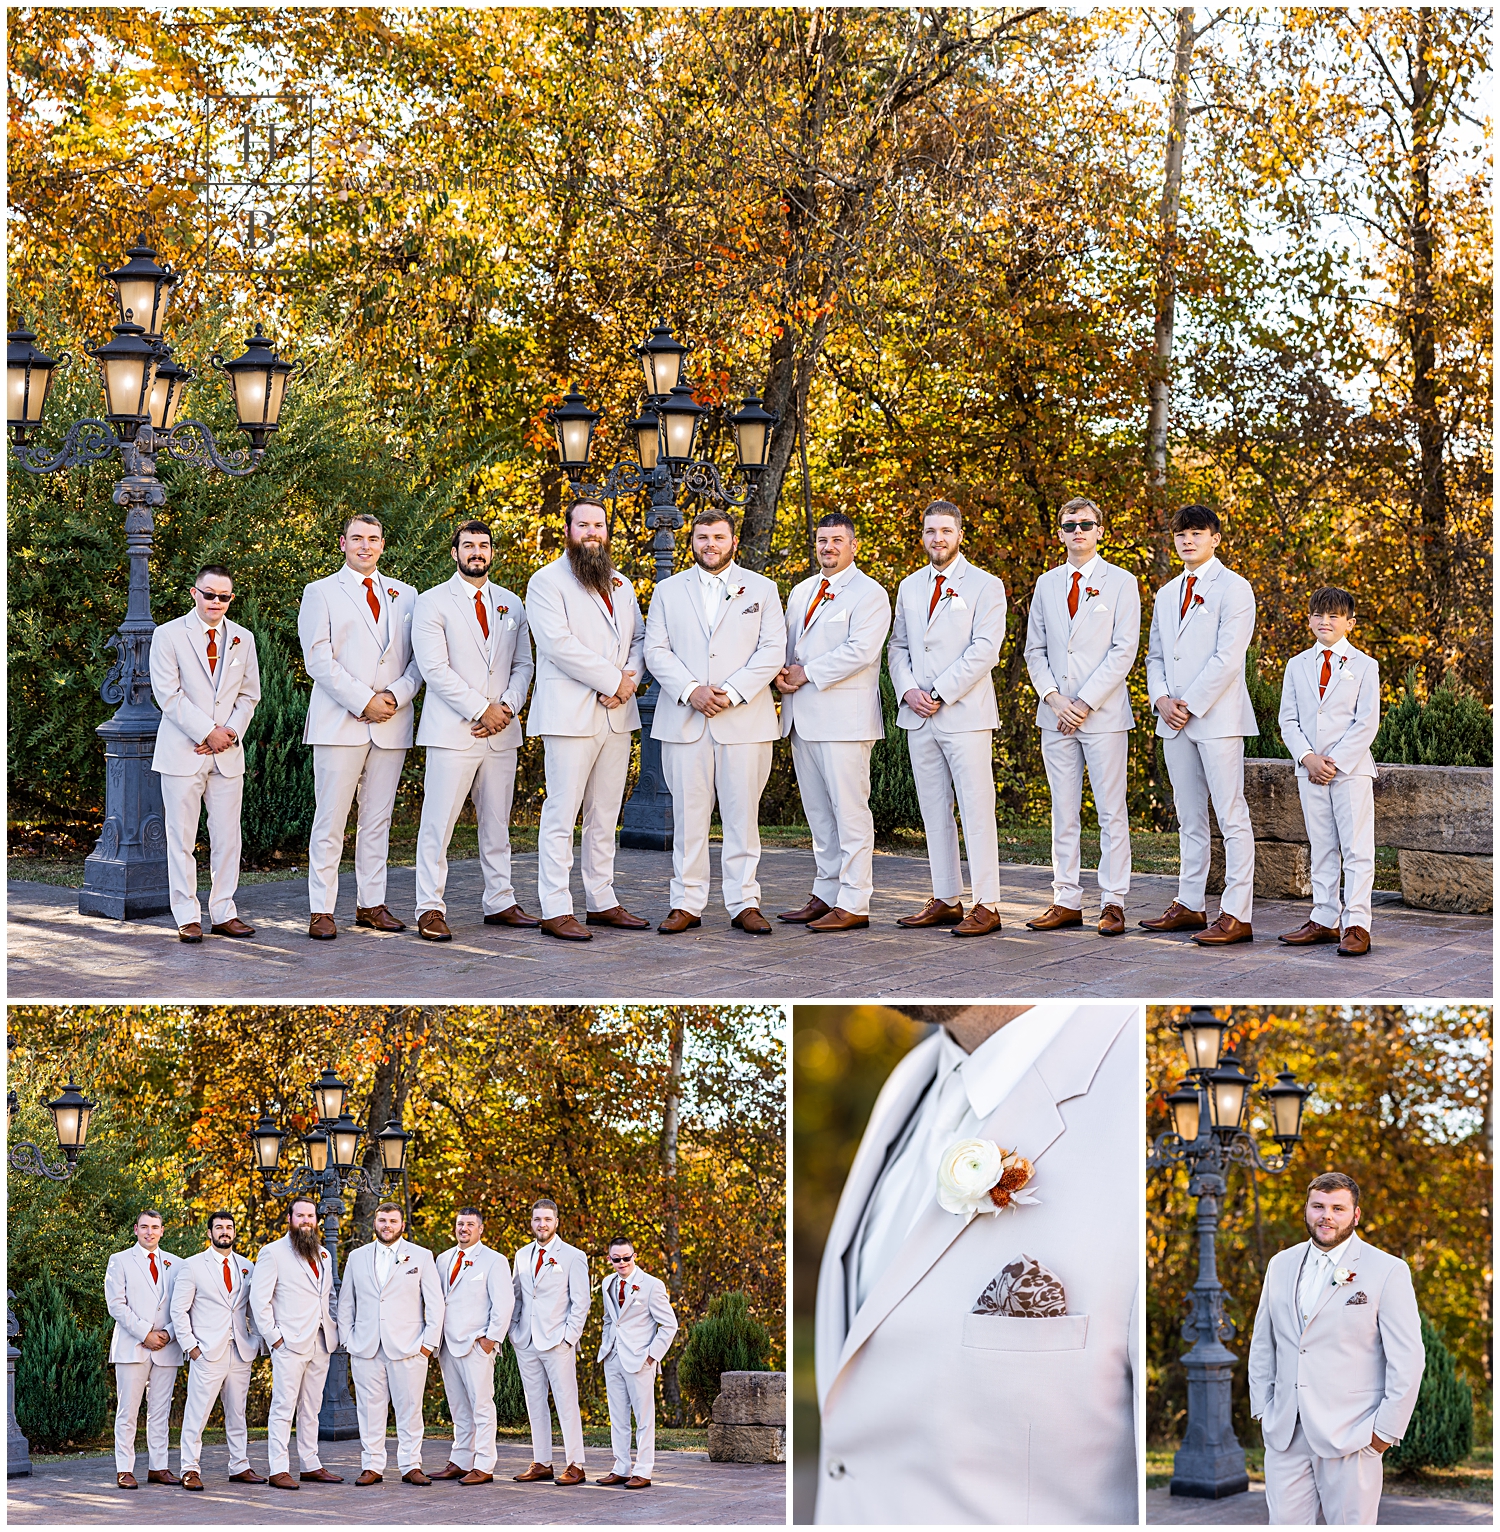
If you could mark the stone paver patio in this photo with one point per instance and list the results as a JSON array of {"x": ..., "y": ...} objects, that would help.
[
  {"x": 57, "y": 954},
  {"x": 1249, "y": 1510}
]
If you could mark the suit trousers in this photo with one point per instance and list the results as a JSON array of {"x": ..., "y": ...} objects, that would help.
[
  {"x": 339, "y": 771},
  {"x": 469, "y": 1382},
  {"x": 631, "y": 1393},
  {"x": 1213, "y": 769},
  {"x": 961, "y": 765},
  {"x": 696, "y": 773},
  {"x": 583, "y": 771},
  {"x": 833, "y": 777},
  {"x": 181, "y": 799},
  {"x": 384, "y": 1383},
  {"x": 133, "y": 1381},
  {"x": 207, "y": 1381},
  {"x": 555, "y": 1368},
  {"x": 1298, "y": 1482},
  {"x": 1340, "y": 821},
  {"x": 452, "y": 775},
  {"x": 1105, "y": 755},
  {"x": 296, "y": 1390}
]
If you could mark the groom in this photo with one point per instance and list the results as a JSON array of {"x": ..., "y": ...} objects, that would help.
[{"x": 1350, "y": 1312}]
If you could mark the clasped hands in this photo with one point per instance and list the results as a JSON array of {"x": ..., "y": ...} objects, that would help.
[
  {"x": 1072, "y": 713},
  {"x": 216, "y": 740},
  {"x": 622, "y": 693},
  {"x": 710, "y": 700},
  {"x": 923, "y": 704},
  {"x": 155, "y": 1340},
  {"x": 380, "y": 707},
  {"x": 1174, "y": 712},
  {"x": 790, "y": 677},
  {"x": 495, "y": 719},
  {"x": 1321, "y": 769}
]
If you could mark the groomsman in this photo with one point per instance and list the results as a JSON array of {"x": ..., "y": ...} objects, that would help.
[
  {"x": 206, "y": 681},
  {"x": 1082, "y": 637},
  {"x": 715, "y": 640},
  {"x": 291, "y": 1293},
  {"x": 390, "y": 1322},
  {"x": 211, "y": 1319},
  {"x": 589, "y": 643},
  {"x": 638, "y": 1329},
  {"x": 474, "y": 652},
  {"x": 830, "y": 706},
  {"x": 1336, "y": 1361},
  {"x": 1195, "y": 673},
  {"x": 143, "y": 1348},
  {"x": 355, "y": 628},
  {"x": 950, "y": 624},
  {"x": 478, "y": 1300},
  {"x": 552, "y": 1305}
]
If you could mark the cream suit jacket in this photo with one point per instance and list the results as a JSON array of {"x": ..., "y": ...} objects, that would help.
[
  {"x": 840, "y": 651},
  {"x": 348, "y": 661},
  {"x": 935, "y": 1414},
  {"x": 1353, "y": 1372},
  {"x": 955, "y": 650},
  {"x": 193, "y": 703},
  {"x": 138, "y": 1305},
  {"x": 552, "y": 1305},
  {"x": 208, "y": 1318},
  {"x": 396, "y": 1318},
  {"x": 463, "y": 672},
  {"x": 641, "y": 1331},
  {"x": 581, "y": 651},
  {"x": 1201, "y": 657},
  {"x": 479, "y": 1301},
  {"x": 745, "y": 650},
  {"x": 287, "y": 1304},
  {"x": 1088, "y": 656},
  {"x": 1342, "y": 723}
]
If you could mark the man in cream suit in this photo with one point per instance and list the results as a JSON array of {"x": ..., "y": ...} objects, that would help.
[
  {"x": 474, "y": 652},
  {"x": 1195, "y": 673},
  {"x": 355, "y": 628},
  {"x": 1082, "y": 635},
  {"x": 950, "y": 624},
  {"x": 390, "y": 1322},
  {"x": 552, "y": 1305},
  {"x": 981, "y": 1366},
  {"x": 478, "y": 1300},
  {"x": 715, "y": 640},
  {"x": 1335, "y": 1364},
  {"x": 206, "y": 681},
  {"x": 291, "y": 1294},
  {"x": 143, "y": 1348},
  {"x": 638, "y": 1329},
  {"x": 830, "y": 706},
  {"x": 211, "y": 1319},
  {"x": 590, "y": 642}
]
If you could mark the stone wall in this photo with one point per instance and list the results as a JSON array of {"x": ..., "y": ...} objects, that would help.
[{"x": 749, "y": 1418}]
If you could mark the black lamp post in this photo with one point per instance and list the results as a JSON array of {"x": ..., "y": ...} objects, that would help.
[
  {"x": 1207, "y": 1110},
  {"x": 125, "y": 877},
  {"x": 330, "y": 1173},
  {"x": 665, "y": 433}
]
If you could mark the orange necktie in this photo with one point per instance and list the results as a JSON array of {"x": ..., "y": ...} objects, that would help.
[
  {"x": 1187, "y": 595},
  {"x": 1073, "y": 593},
  {"x": 621, "y": 1299},
  {"x": 1327, "y": 671},
  {"x": 539, "y": 1253},
  {"x": 937, "y": 595},
  {"x": 816, "y": 601},
  {"x": 371, "y": 597},
  {"x": 481, "y": 614},
  {"x": 213, "y": 651},
  {"x": 317, "y": 1275},
  {"x": 458, "y": 1260},
  {"x": 228, "y": 1280}
]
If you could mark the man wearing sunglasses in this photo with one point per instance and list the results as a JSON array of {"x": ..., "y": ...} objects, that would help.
[
  {"x": 206, "y": 681},
  {"x": 1082, "y": 635},
  {"x": 639, "y": 1326}
]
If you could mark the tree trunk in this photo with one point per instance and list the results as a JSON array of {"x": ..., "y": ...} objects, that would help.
[
  {"x": 387, "y": 1098},
  {"x": 671, "y": 1393}
]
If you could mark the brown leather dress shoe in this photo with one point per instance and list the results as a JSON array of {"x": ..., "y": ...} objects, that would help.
[
  {"x": 1176, "y": 917},
  {"x": 248, "y": 1477},
  {"x": 378, "y": 918},
  {"x": 572, "y": 1474},
  {"x": 980, "y": 921},
  {"x": 636, "y": 1482},
  {"x": 611, "y": 1478},
  {"x": 936, "y": 912},
  {"x": 367, "y": 1478},
  {"x": 322, "y": 928},
  {"x": 162, "y": 1476},
  {"x": 618, "y": 917},
  {"x": 838, "y": 920},
  {"x": 449, "y": 1470},
  {"x": 565, "y": 929},
  {"x": 1309, "y": 934},
  {"x": 415, "y": 1476},
  {"x": 190, "y": 933},
  {"x": 1355, "y": 943},
  {"x": 190, "y": 1480},
  {"x": 1054, "y": 918},
  {"x": 477, "y": 1476},
  {"x": 1225, "y": 932},
  {"x": 321, "y": 1476},
  {"x": 1111, "y": 920},
  {"x": 283, "y": 1481},
  {"x": 512, "y": 915},
  {"x": 432, "y": 927},
  {"x": 538, "y": 1471},
  {"x": 679, "y": 920},
  {"x": 125, "y": 1481},
  {"x": 749, "y": 919},
  {"x": 814, "y": 909},
  {"x": 235, "y": 927}
]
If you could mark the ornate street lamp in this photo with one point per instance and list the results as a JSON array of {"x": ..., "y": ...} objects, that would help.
[
  {"x": 1207, "y": 1109},
  {"x": 125, "y": 877}
]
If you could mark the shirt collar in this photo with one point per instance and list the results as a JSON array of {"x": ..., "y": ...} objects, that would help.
[
  {"x": 1212, "y": 567},
  {"x": 158, "y": 1252},
  {"x": 358, "y": 580},
  {"x": 720, "y": 579},
  {"x": 1342, "y": 648},
  {"x": 950, "y": 574},
  {"x": 1331, "y": 1256},
  {"x": 1085, "y": 570},
  {"x": 203, "y": 627},
  {"x": 837, "y": 582},
  {"x": 998, "y": 1064}
]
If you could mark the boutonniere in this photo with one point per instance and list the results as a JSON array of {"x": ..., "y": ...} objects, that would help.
[
  {"x": 1343, "y": 1277},
  {"x": 166, "y": 1263},
  {"x": 551, "y": 1261},
  {"x": 1197, "y": 599},
  {"x": 618, "y": 582},
  {"x": 392, "y": 592},
  {"x": 976, "y": 1175},
  {"x": 500, "y": 611},
  {"x": 1089, "y": 592},
  {"x": 234, "y": 641},
  {"x": 948, "y": 594},
  {"x": 729, "y": 595},
  {"x": 1343, "y": 658},
  {"x": 467, "y": 1264},
  {"x": 634, "y": 1287}
]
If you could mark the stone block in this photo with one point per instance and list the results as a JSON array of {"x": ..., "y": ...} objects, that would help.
[
  {"x": 1433, "y": 880},
  {"x": 1283, "y": 869},
  {"x": 746, "y": 1444},
  {"x": 751, "y": 1399}
]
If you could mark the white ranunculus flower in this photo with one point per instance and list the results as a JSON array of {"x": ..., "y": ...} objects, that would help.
[{"x": 966, "y": 1172}]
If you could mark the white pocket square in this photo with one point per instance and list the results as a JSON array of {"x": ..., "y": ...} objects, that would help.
[{"x": 838, "y": 617}]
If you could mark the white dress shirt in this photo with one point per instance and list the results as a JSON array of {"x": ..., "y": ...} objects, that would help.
[
  {"x": 1317, "y": 1273},
  {"x": 382, "y": 623},
  {"x": 714, "y": 591},
  {"x": 965, "y": 1090},
  {"x": 385, "y": 1260}
]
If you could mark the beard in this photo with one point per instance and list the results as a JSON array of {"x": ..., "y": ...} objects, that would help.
[
  {"x": 305, "y": 1242},
  {"x": 1339, "y": 1235},
  {"x": 703, "y": 559},
  {"x": 476, "y": 564},
  {"x": 592, "y": 567},
  {"x": 931, "y": 1015},
  {"x": 222, "y": 1241},
  {"x": 391, "y": 1241}
]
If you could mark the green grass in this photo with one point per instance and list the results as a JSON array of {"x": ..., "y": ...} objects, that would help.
[{"x": 1472, "y": 1480}]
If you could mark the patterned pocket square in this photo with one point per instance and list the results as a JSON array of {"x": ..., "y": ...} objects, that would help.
[
  {"x": 749, "y": 609},
  {"x": 1357, "y": 1298},
  {"x": 1024, "y": 1290}
]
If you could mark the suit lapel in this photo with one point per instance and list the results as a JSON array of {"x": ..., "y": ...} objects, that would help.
[
  {"x": 1351, "y": 1260},
  {"x": 352, "y": 585},
  {"x": 950, "y": 583},
  {"x": 198, "y": 643},
  {"x": 724, "y": 602},
  {"x": 463, "y": 598}
]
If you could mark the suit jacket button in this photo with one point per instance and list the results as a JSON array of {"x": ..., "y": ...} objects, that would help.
[{"x": 835, "y": 1468}]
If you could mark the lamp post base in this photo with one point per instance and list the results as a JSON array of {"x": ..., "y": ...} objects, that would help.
[
  {"x": 338, "y": 1419},
  {"x": 646, "y": 823},
  {"x": 1210, "y": 1463},
  {"x": 125, "y": 876},
  {"x": 17, "y": 1448}
]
